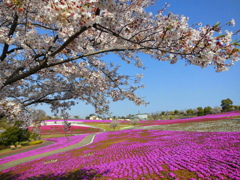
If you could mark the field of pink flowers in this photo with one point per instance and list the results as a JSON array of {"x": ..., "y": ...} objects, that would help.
[
  {"x": 58, "y": 129},
  {"x": 81, "y": 120},
  {"x": 210, "y": 117},
  {"x": 141, "y": 154},
  {"x": 59, "y": 142},
  {"x": 137, "y": 155}
]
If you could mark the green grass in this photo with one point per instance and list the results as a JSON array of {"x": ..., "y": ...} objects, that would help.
[
  {"x": 106, "y": 126},
  {"x": 53, "y": 135},
  {"x": 8, "y": 149},
  {"x": 5, "y": 150}
]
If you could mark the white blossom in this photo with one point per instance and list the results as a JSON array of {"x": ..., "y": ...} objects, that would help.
[
  {"x": 232, "y": 22},
  {"x": 54, "y": 50}
]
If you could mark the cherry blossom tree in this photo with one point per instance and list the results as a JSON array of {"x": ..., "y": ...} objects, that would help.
[
  {"x": 114, "y": 124},
  {"x": 52, "y": 50},
  {"x": 216, "y": 110},
  {"x": 34, "y": 119},
  {"x": 36, "y": 130},
  {"x": 134, "y": 121},
  {"x": 66, "y": 124}
]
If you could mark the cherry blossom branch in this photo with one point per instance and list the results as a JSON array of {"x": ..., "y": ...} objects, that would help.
[
  {"x": 139, "y": 43},
  {"x": 47, "y": 101}
]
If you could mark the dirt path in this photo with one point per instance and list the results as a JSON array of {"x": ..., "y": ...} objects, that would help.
[{"x": 87, "y": 140}]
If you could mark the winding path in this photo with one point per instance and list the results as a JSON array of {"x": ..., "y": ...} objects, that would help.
[{"x": 87, "y": 140}]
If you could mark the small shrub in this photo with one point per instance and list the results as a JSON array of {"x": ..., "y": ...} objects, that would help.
[
  {"x": 14, "y": 134},
  {"x": 17, "y": 143},
  {"x": 36, "y": 142}
]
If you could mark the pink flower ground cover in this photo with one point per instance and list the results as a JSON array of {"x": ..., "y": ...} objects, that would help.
[
  {"x": 58, "y": 129},
  {"x": 142, "y": 154},
  {"x": 60, "y": 142},
  {"x": 81, "y": 120},
  {"x": 209, "y": 117}
]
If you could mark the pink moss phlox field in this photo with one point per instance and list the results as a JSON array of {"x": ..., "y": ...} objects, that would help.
[
  {"x": 145, "y": 154},
  {"x": 80, "y": 120},
  {"x": 194, "y": 119},
  {"x": 60, "y": 142}
]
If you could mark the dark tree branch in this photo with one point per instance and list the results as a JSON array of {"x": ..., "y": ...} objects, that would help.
[
  {"x": 41, "y": 26},
  {"x": 16, "y": 72},
  {"x": 14, "y": 49},
  {"x": 69, "y": 40},
  {"x": 46, "y": 100},
  {"x": 10, "y": 33},
  {"x": 41, "y": 65}
]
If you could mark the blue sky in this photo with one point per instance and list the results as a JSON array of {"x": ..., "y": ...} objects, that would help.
[{"x": 171, "y": 87}]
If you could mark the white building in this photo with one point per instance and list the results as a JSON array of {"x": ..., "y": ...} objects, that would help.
[
  {"x": 94, "y": 118},
  {"x": 142, "y": 116}
]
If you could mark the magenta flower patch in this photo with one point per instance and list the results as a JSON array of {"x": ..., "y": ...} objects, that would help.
[
  {"x": 143, "y": 154},
  {"x": 60, "y": 142},
  {"x": 195, "y": 119}
]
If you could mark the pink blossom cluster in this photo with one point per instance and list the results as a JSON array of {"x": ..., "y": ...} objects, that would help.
[
  {"x": 145, "y": 154},
  {"x": 59, "y": 142}
]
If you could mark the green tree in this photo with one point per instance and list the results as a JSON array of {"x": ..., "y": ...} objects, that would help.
[
  {"x": 189, "y": 111},
  {"x": 207, "y": 110},
  {"x": 227, "y": 105},
  {"x": 3, "y": 123},
  {"x": 176, "y": 112},
  {"x": 200, "y": 111},
  {"x": 76, "y": 117},
  {"x": 14, "y": 134},
  {"x": 236, "y": 108}
]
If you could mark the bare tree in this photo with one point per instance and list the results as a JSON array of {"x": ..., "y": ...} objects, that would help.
[
  {"x": 36, "y": 130},
  {"x": 114, "y": 124},
  {"x": 66, "y": 124},
  {"x": 66, "y": 128},
  {"x": 134, "y": 121},
  {"x": 38, "y": 114}
]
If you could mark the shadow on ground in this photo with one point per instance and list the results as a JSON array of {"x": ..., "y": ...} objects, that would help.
[{"x": 84, "y": 174}]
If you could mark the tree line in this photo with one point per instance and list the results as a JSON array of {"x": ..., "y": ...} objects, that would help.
[{"x": 226, "y": 105}]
